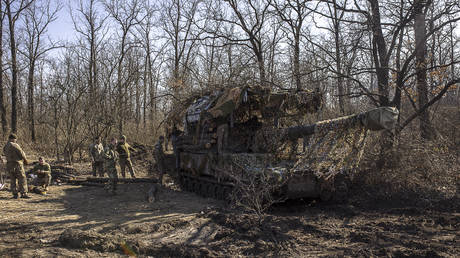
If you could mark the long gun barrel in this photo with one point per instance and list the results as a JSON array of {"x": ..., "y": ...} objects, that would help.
[{"x": 375, "y": 119}]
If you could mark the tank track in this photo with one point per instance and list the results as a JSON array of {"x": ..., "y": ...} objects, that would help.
[
  {"x": 208, "y": 187},
  {"x": 205, "y": 186}
]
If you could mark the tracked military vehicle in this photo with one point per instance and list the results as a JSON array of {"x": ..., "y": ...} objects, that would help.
[{"x": 230, "y": 134}]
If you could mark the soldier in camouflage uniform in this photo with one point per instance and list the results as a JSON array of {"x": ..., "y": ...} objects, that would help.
[
  {"x": 43, "y": 172},
  {"x": 96, "y": 149},
  {"x": 15, "y": 157},
  {"x": 2, "y": 168},
  {"x": 110, "y": 164},
  {"x": 160, "y": 157},
  {"x": 123, "y": 149}
]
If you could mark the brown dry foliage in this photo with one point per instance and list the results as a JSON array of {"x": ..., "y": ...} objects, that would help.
[{"x": 424, "y": 172}]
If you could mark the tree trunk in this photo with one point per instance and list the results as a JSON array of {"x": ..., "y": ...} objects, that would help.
[
  {"x": 2, "y": 99},
  {"x": 120, "y": 98},
  {"x": 145, "y": 83},
  {"x": 379, "y": 53},
  {"x": 30, "y": 100},
  {"x": 14, "y": 71},
  {"x": 56, "y": 125},
  {"x": 426, "y": 131},
  {"x": 138, "y": 97},
  {"x": 298, "y": 83},
  {"x": 339, "y": 69},
  {"x": 338, "y": 58},
  {"x": 261, "y": 64}
]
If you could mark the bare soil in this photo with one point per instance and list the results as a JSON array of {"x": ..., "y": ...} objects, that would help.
[{"x": 84, "y": 221}]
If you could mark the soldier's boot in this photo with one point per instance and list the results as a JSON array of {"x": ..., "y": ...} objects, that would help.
[{"x": 25, "y": 196}]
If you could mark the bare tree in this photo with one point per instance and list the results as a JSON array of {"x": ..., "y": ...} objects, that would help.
[
  {"x": 36, "y": 19},
  {"x": 293, "y": 14},
  {"x": 153, "y": 54},
  {"x": 247, "y": 27},
  {"x": 90, "y": 24},
  {"x": 426, "y": 130},
  {"x": 14, "y": 8},
  {"x": 125, "y": 14},
  {"x": 2, "y": 99},
  {"x": 177, "y": 22}
]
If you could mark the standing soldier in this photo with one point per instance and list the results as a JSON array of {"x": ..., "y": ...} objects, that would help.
[
  {"x": 43, "y": 172},
  {"x": 14, "y": 165},
  {"x": 123, "y": 149},
  {"x": 2, "y": 168},
  {"x": 160, "y": 157},
  {"x": 110, "y": 164},
  {"x": 96, "y": 149}
]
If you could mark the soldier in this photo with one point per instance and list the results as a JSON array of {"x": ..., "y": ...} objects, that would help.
[
  {"x": 96, "y": 149},
  {"x": 160, "y": 157},
  {"x": 43, "y": 172},
  {"x": 15, "y": 157},
  {"x": 2, "y": 179},
  {"x": 123, "y": 149},
  {"x": 110, "y": 164}
]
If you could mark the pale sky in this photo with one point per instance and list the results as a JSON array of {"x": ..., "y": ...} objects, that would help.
[{"x": 62, "y": 28}]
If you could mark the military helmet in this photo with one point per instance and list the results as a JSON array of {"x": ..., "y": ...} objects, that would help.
[
  {"x": 123, "y": 137},
  {"x": 12, "y": 136}
]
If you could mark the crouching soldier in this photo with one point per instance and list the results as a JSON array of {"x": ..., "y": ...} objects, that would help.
[
  {"x": 15, "y": 157},
  {"x": 110, "y": 164},
  {"x": 43, "y": 179}
]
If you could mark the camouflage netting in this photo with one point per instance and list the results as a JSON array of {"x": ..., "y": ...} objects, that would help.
[
  {"x": 254, "y": 163},
  {"x": 334, "y": 148},
  {"x": 248, "y": 165}
]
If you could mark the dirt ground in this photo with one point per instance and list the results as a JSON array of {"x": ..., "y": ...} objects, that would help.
[{"x": 86, "y": 221}]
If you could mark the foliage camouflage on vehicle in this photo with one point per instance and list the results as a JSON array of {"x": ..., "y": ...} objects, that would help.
[{"x": 232, "y": 135}]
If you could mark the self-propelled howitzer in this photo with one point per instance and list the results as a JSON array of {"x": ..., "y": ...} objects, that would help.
[{"x": 237, "y": 132}]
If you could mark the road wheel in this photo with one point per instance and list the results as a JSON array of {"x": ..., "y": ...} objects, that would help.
[
  {"x": 220, "y": 192},
  {"x": 326, "y": 190},
  {"x": 214, "y": 190},
  {"x": 227, "y": 193},
  {"x": 207, "y": 190},
  {"x": 182, "y": 182},
  {"x": 341, "y": 189},
  {"x": 197, "y": 187},
  {"x": 189, "y": 185}
]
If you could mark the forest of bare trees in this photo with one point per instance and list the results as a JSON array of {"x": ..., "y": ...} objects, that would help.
[{"x": 132, "y": 62}]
